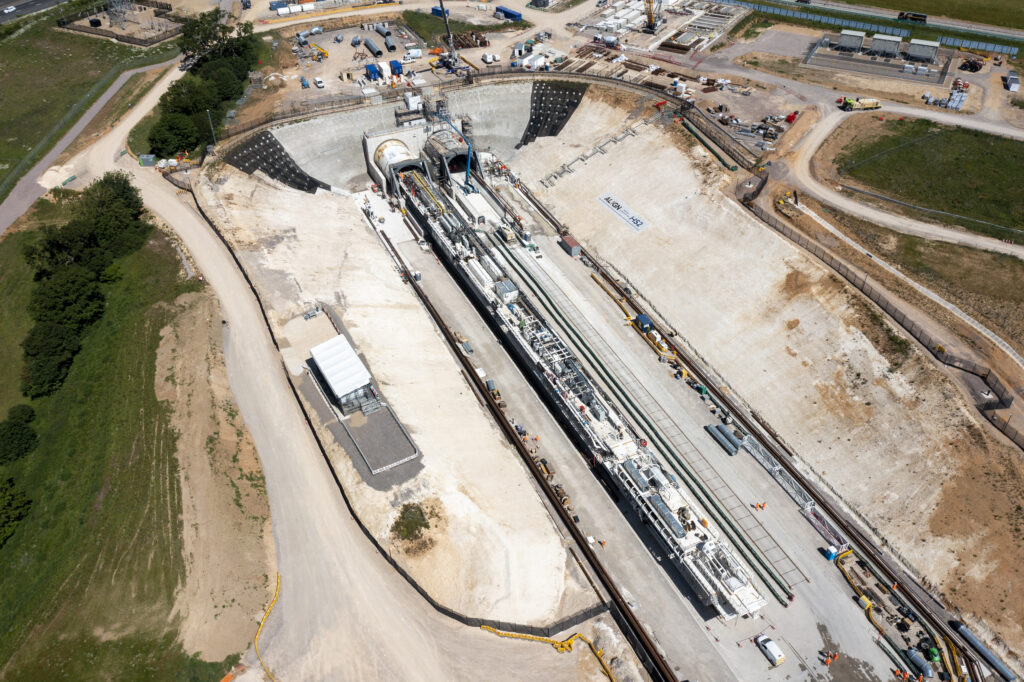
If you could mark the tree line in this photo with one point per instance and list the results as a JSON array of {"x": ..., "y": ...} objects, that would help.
[
  {"x": 196, "y": 104},
  {"x": 70, "y": 264}
]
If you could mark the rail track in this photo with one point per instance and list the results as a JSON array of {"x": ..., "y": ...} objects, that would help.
[
  {"x": 647, "y": 651},
  {"x": 904, "y": 585},
  {"x": 775, "y": 583}
]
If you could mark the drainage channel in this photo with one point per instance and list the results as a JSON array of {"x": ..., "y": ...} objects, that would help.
[{"x": 769, "y": 574}]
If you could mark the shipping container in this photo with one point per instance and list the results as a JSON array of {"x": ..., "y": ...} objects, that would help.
[
  {"x": 396, "y": 67},
  {"x": 510, "y": 14},
  {"x": 436, "y": 11},
  {"x": 372, "y": 73}
]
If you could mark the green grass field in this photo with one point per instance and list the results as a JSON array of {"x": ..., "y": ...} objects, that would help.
[
  {"x": 1009, "y": 13},
  {"x": 956, "y": 170},
  {"x": 430, "y": 28},
  {"x": 989, "y": 286},
  {"x": 138, "y": 138},
  {"x": 87, "y": 580},
  {"x": 922, "y": 31},
  {"x": 43, "y": 73}
]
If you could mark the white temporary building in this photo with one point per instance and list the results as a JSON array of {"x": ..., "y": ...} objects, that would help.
[{"x": 340, "y": 367}]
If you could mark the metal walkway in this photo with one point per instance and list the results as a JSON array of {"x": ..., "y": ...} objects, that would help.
[{"x": 681, "y": 444}]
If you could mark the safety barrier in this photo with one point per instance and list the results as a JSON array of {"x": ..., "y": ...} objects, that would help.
[{"x": 564, "y": 624}]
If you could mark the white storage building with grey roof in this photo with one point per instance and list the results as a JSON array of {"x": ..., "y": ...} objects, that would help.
[{"x": 340, "y": 367}]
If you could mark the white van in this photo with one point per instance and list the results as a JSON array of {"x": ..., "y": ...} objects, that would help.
[
  {"x": 770, "y": 650},
  {"x": 318, "y": 82}
]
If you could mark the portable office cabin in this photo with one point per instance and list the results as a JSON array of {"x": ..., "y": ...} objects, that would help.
[
  {"x": 923, "y": 50},
  {"x": 1013, "y": 82},
  {"x": 885, "y": 45}
]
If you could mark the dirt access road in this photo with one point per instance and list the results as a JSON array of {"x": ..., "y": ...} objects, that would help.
[
  {"x": 799, "y": 166},
  {"x": 343, "y": 613},
  {"x": 27, "y": 189}
]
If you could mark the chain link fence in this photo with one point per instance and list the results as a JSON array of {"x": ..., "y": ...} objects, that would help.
[{"x": 161, "y": 10}]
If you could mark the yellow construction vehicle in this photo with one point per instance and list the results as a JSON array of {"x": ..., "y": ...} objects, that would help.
[
  {"x": 562, "y": 647},
  {"x": 545, "y": 468},
  {"x": 319, "y": 49}
]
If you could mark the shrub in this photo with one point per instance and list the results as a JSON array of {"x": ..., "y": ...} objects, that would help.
[
  {"x": 189, "y": 95},
  {"x": 16, "y": 441},
  {"x": 411, "y": 522},
  {"x": 14, "y": 507},
  {"x": 50, "y": 348},
  {"x": 173, "y": 133},
  {"x": 225, "y": 80},
  {"x": 71, "y": 296},
  {"x": 21, "y": 413}
]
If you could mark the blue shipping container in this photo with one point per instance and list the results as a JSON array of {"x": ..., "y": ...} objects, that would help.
[
  {"x": 396, "y": 67},
  {"x": 278, "y": 4},
  {"x": 436, "y": 11},
  {"x": 372, "y": 72},
  {"x": 510, "y": 14}
]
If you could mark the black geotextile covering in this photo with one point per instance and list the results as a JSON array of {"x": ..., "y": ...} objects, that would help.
[
  {"x": 263, "y": 152},
  {"x": 552, "y": 104}
]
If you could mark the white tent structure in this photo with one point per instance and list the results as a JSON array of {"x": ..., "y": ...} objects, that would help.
[{"x": 340, "y": 367}]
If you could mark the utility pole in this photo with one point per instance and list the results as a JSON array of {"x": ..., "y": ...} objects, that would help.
[{"x": 212, "y": 134}]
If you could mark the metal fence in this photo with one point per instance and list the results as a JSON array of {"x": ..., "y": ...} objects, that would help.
[
  {"x": 820, "y": 18},
  {"x": 162, "y": 8},
  {"x": 976, "y": 45},
  {"x": 948, "y": 41},
  {"x": 1002, "y": 396}
]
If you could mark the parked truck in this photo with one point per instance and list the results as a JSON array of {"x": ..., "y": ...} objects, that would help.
[{"x": 860, "y": 104}]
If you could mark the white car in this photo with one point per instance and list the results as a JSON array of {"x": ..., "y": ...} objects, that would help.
[
  {"x": 318, "y": 82},
  {"x": 770, "y": 650},
  {"x": 8, "y": 10}
]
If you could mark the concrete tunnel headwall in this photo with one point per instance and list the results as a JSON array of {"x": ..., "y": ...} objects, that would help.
[{"x": 330, "y": 148}]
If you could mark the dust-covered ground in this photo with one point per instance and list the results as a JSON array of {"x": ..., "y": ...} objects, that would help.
[
  {"x": 227, "y": 543},
  {"x": 864, "y": 408},
  {"x": 493, "y": 550}
]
